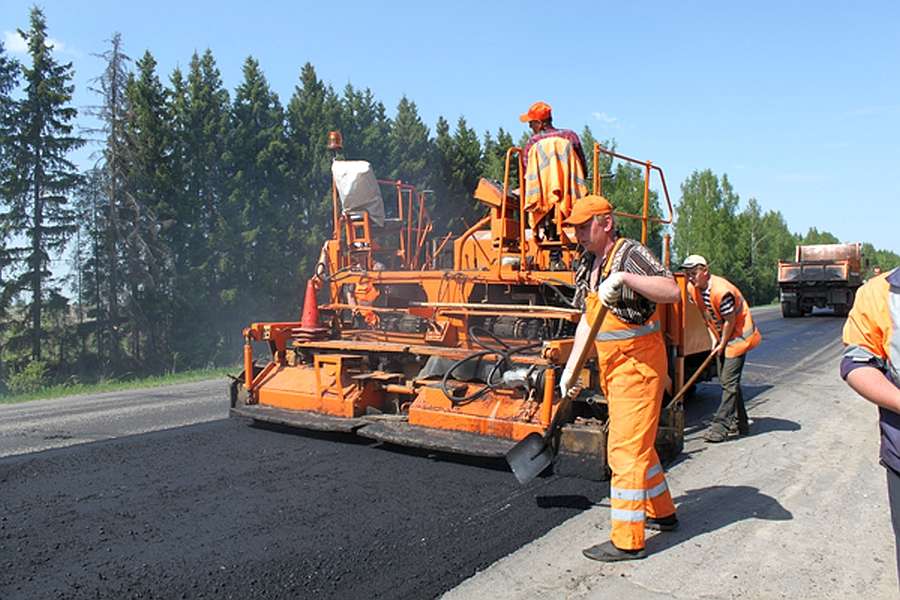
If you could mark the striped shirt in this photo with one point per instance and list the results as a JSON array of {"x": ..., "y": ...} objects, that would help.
[
  {"x": 726, "y": 307},
  {"x": 631, "y": 257}
]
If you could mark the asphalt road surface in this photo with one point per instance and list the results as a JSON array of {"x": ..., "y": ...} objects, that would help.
[{"x": 156, "y": 494}]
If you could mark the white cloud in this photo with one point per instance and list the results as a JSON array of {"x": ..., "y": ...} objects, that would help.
[
  {"x": 16, "y": 44},
  {"x": 605, "y": 118}
]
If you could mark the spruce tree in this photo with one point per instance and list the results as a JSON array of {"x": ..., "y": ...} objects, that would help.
[
  {"x": 147, "y": 214},
  {"x": 312, "y": 112},
  {"x": 257, "y": 210},
  {"x": 43, "y": 175},
  {"x": 410, "y": 146},
  {"x": 9, "y": 70}
]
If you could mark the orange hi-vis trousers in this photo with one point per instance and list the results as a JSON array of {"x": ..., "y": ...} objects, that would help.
[{"x": 632, "y": 361}]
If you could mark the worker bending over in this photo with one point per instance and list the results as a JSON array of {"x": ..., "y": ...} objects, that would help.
[
  {"x": 871, "y": 366},
  {"x": 624, "y": 275},
  {"x": 731, "y": 325}
]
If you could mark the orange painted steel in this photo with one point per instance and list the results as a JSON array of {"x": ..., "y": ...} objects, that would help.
[{"x": 495, "y": 263}]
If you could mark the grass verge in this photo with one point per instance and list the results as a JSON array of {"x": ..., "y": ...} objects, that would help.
[{"x": 63, "y": 390}]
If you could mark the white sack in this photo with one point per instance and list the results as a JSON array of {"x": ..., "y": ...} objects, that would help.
[{"x": 358, "y": 189}]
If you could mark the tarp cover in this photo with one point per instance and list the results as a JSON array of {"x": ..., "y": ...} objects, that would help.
[{"x": 358, "y": 189}]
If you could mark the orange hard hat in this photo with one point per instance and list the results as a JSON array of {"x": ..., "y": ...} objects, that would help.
[
  {"x": 587, "y": 207},
  {"x": 539, "y": 111}
]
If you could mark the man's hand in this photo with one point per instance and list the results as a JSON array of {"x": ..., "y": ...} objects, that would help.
[
  {"x": 720, "y": 348},
  {"x": 565, "y": 382},
  {"x": 610, "y": 290}
]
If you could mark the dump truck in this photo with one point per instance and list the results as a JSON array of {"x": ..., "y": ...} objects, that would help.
[
  {"x": 453, "y": 342},
  {"x": 821, "y": 275}
]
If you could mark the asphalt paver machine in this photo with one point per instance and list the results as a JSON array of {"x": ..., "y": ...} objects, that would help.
[{"x": 449, "y": 343}]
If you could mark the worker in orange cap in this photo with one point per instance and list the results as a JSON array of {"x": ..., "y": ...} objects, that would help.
[
  {"x": 555, "y": 173},
  {"x": 871, "y": 366},
  {"x": 624, "y": 276},
  {"x": 731, "y": 325},
  {"x": 540, "y": 119}
]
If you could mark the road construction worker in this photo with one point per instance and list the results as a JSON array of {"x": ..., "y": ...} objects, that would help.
[
  {"x": 624, "y": 276},
  {"x": 731, "y": 326},
  {"x": 555, "y": 169},
  {"x": 871, "y": 366}
]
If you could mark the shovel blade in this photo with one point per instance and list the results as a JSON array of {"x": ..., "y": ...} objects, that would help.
[{"x": 529, "y": 457}]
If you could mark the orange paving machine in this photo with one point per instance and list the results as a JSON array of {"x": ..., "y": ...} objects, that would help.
[{"x": 449, "y": 343}]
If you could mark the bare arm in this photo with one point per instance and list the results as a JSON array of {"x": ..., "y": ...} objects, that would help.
[
  {"x": 871, "y": 384},
  {"x": 655, "y": 288},
  {"x": 726, "y": 332}
]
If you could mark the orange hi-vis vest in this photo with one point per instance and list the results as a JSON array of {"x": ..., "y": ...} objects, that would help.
[
  {"x": 745, "y": 336},
  {"x": 554, "y": 177},
  {"x": 872, "y": 336},
  {"x": 631, "y": 360}
]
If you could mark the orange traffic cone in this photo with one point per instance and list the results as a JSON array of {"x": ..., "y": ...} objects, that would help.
[{"x": 309, "y": 321}]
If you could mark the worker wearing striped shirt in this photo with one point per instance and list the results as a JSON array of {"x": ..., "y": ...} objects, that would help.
[{"x": 731, "y": 325}]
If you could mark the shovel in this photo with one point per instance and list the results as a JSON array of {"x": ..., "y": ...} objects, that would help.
[
  {"x": 535, "y": 452},
  {"x": 690, "y": 381}
]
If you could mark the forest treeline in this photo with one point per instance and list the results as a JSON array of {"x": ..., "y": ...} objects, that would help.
[{"x": 206, "y": 208}]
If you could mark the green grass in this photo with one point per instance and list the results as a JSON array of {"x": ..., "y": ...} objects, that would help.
[{"x": 63, "y": 390}]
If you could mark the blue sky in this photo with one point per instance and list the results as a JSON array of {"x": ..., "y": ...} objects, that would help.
[{"x": 798, "y": 102}]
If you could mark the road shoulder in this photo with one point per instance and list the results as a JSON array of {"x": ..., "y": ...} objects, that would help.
[{"x": 797, "y": 509}]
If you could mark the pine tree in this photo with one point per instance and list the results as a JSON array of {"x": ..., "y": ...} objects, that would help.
[{"x": 43, "y": 175}]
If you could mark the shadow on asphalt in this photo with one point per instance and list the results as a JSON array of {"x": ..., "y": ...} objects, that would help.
[
  {"x": 707, "y": 509},
  {"x": 760, "y": 425},
  {"x": 573, "y": 501}
]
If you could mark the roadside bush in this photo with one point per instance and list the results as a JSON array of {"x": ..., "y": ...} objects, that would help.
[{"x": 30, "y": 379}]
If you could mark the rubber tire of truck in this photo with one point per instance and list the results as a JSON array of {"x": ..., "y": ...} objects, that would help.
[
  {"x": 841, "y": 310},
  {"x": 789, "y": 310}
]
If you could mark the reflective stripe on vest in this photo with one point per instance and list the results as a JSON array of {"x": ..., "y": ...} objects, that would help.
[{"x": 627, "y": 334}]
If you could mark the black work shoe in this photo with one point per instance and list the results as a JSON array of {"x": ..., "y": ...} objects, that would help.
[
  {"x": 669, "y": 523},
  {"x": 608, "y": 552},
  {"x": 738, "y": 430},
  {"x": 715, "y": 436}
]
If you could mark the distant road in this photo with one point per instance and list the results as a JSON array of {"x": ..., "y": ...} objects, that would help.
[{"x": 44, "y": 424}]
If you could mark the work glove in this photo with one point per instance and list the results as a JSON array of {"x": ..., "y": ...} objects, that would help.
[
  {"x": 566, "y": 381},
  {"x": 611, "y": 289}
]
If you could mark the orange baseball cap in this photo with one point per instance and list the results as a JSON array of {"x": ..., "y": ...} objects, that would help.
[
  {"x": 589, "y": 206},
  {"x": 539, "y": 111}
]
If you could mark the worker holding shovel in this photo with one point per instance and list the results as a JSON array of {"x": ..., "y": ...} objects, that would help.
[{"x": 624, "y": 276}]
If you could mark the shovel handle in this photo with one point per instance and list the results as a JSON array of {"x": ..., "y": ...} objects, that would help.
[
  {"x": 691, "y": 381},
  {"x": 580, "y": 359}
]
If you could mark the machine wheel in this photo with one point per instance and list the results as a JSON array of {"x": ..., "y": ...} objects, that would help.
[{"x": 841, "y": 310}]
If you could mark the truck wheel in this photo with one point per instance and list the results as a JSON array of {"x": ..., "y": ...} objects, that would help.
[
  {"x": 789, "y": 310},
  {"x": 841, "y": 310}
]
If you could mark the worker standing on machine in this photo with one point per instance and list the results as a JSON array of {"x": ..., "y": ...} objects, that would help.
[
  {"x": 555, "y": 173},
  {"x": 624, "y": 276},
  {"x": 731, "y": 325},
  {"x": 871, "y": 366}
]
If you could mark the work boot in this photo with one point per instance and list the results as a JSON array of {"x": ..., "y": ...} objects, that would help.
[
  {"x": 669, "y": 523},
  {"x": 738, "y": 430},
  {"x": 608, "y": 552},
  {"x": 716, "y": 434}
]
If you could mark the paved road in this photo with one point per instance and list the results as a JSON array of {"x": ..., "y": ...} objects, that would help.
[{"x": 220, "y": 509}]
